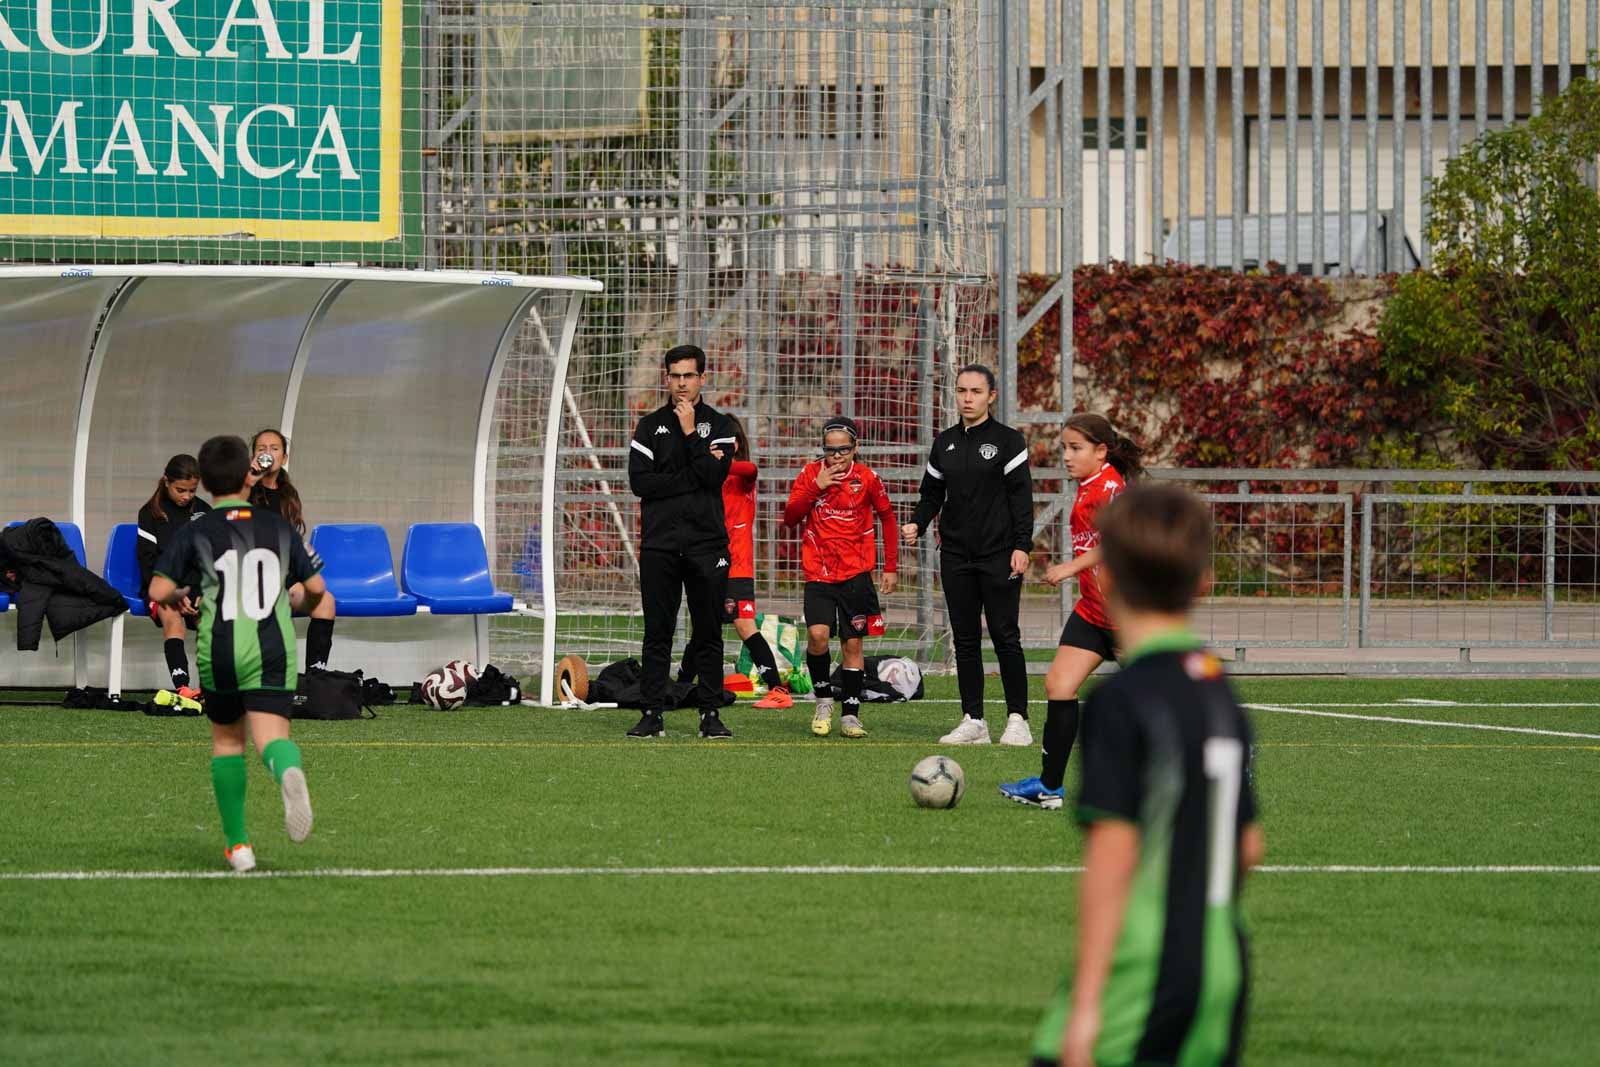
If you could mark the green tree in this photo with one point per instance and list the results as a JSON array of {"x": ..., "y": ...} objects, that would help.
[{"x": 1503, "y": 335}]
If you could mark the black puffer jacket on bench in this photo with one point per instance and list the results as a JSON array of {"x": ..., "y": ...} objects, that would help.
[{"x": 46, "y": 582}]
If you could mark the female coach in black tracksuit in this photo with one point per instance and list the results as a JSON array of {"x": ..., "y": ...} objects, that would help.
[{"x": 978, "y": 476}]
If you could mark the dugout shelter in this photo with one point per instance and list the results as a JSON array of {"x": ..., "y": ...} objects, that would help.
[{"x": 385, "y": 381}]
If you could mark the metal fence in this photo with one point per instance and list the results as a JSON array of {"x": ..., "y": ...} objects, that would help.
[{"x": 1470, "y": 570}]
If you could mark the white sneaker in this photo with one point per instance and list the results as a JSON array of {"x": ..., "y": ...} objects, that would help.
[
  {"x": 1017, "y": 733},
  {"x": 241, "y": 858},
  {"x": 296, "y": 805},
  {"x": 968, "y": 731}
]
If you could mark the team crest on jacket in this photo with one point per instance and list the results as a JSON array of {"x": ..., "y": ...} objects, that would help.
[
  {"x": 704, "y": 429},
  {"x": 989, "y": 451}
]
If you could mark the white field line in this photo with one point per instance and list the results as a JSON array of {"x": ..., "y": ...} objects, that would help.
[
  {"x": 1434, "y": 704},
  {"x": 701, "y": 872},
  {"x": 1421, "y": 722}
]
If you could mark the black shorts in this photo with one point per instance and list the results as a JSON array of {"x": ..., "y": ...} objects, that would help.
[
  {"x": 1081, "y": 633},
  {"x": 848, "y": 608},
  {"x": 226, "y": 708},
  {"x": 740, "y": 600}
]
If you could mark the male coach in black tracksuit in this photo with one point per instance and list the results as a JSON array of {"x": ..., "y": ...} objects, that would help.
[{"x": 679, "y": 455}]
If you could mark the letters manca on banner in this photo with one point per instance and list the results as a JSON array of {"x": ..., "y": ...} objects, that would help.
[{"x": 272, "y": 119}]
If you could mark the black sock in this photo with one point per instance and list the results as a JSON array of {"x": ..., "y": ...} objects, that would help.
[
  {"x": 319, "y": 642},
  {"x": 850, "y": 683},
  {"x": 177, "y": 662},
  {"x": 819, "y": 663},
  {"x": 761, "y": 655},
  {"x": 1060, "y": 730}
]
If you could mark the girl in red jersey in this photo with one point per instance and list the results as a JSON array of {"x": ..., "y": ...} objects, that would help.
[
  {"x": 1102, "y": 462},
  {"x": 834, "y": 499},
  {"x": 739, "y": 607}
]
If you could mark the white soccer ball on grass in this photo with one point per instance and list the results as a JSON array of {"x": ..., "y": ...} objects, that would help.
[{"x": 937, "y": 782}]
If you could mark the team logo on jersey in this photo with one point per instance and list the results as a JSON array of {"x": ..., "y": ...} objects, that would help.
[
  {"x": 988, "y": 451},
  {"x": 729, "y": 607},
  {"x": 855, "y": 485},
  {"x": 722, "y": 561},
  {"x": 662, "y": 429},
  {"x": 874, "y": 625},
  {"x": 951, "y": 447},
  {"x": 234, "y": 514},
  {"x": 747, "y": 609},
  {"x": 704, "y": 429},
  {"x": 1202, "y": 666},
  {"x": 196, "y": 515}
]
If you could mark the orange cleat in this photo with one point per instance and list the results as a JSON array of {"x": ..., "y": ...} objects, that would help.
[{"x": 777, "y": 697}]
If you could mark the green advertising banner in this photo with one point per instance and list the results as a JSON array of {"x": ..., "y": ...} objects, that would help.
[
  {"x": 552, "y": 70},
  {"x": 271, "y": 119}
]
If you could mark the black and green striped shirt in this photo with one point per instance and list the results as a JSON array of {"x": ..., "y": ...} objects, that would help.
[
  {"x": 1167, "y": 748},
  {"x": 246, "y": 558}
]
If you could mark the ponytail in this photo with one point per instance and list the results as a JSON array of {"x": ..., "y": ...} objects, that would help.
[
  {"x": 1126, "y": 456},
  {"x": 180, "y": 468},
  {"x": 289, "y": 503},
  {"x": 1123, "y": 453}
]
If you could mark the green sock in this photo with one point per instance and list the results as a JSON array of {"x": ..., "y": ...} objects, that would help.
[
  {"x": 279, "y": 756},
  {"x": 227, "y": 779}
]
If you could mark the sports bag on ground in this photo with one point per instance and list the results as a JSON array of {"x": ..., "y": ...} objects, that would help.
[
  {"x": 331, "y": 695},
  {"x": 887, "y": 680},
  {"x": 618, "y": 683}
]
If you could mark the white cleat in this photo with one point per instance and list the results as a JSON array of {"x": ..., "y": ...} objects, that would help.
[
  {"x": 296, "y": 805},
  {"x": 241, "y": 858},
  {"x": 1017, "y": 734},
  {"x": 968, "y": 731}
]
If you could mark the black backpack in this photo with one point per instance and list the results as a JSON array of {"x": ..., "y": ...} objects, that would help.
[
  {"x": 493, "y": 688},
  {"x": 331, "y": 695},
  {"x": 618, "y": 683}
]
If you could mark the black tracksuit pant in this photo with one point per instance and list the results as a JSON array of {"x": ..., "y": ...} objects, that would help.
[
  {"x": 984, "y": 589},
  {"x": 665, "y": 579}
]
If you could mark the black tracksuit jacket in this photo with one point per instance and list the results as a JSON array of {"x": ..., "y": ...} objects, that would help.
[
  {"x": 977, "y": 482},
  {"x": 679, "y": 482}
]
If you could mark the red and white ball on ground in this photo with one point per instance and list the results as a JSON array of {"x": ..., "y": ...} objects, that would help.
[{"x": 446, "y": 688}]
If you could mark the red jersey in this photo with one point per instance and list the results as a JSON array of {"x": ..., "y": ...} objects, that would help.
[
  {"x": 839, "y": 541},
  {"x": 1094, "y": 493},
  {"x": 738, "y": 514}
]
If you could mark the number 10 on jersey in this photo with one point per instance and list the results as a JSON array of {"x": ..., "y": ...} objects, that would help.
[{"x": 250, "y": 585}]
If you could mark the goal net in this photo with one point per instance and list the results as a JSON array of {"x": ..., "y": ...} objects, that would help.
[{"x": 800, "y": 190}]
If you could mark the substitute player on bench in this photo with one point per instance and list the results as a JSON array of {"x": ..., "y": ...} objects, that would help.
[
  {"x": 1170, "y": 814},
  {"x": 245, "y": 649}
]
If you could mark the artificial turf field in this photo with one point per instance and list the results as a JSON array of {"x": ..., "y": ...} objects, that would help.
[{"x": 621, "y": 935}]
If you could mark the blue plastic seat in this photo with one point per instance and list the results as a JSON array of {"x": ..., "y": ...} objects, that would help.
[
  {"x": 446, "y": 567},
  {"x": 69, "y": 533},
  {"x": 122, "y": 565},
  {"x": 359, "y": 570}
]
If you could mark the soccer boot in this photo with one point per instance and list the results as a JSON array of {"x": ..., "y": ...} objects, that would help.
[
  {"x": 712, "y": 727},
  {"x": 241, "y": 858},
  {"x": 1017, "y": 733},
  {"x": 188, "y": 704},
  {"x": 649, "y": 725},
  {"x": 777, "y": 697},
  {"x": 850, "y": 726},
  {"x": 968, "y": 731},
  {"x": 822, "y": 717},
  {"x": 1033, "y": 791},
  {"x": 296, "y": 805}
]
